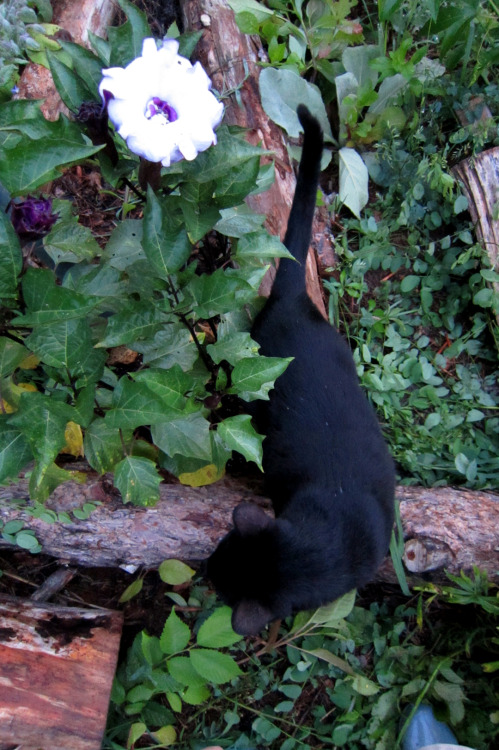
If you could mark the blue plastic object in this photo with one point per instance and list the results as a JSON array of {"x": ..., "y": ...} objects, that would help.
[{"x": 424, "y": 729}]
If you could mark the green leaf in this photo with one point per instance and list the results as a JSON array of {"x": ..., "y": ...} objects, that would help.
[
  {"x": 11, "y": 355},
  {"x": 233, "y": 348},
  {"x": 389, "y": 90},
  {"x": 170, "y": 346},
  {"x": 70, "y": 87},
  {"x": 88, "y": 65},
  {"x": 46, "y": 302},
  {"x": 124, "y": 245},
  {"x": 196, "y": 694},
  {"x": 167, "y": 248},
  {"x": 104, "y": 445},
  {"x": 239, "y": 434},
  {"x": 188, "y": 436},
  {"x": 387, "y": 8},
  {"x": 132, "y": 590},
  {"x": 27, "y": 540},
  {"x": 216, "y": 631},
  {"x": 138, "y": 481},
  {"x": 42, "y": 420},
  {"x": 68, "y": 344},
  {"x": 134, "y": 404},
  {"x": 175, "y": 636},
  {"x": 215, "y": 164},
  {"x": 11, "y": 260},
  {"x": 139, "y": 321},
  {"x": 214, "y": 293},
  {"x": 213, "y": 666},
  {"x": 15, "y": 451},
  {"x": 175, "y": 572},
  {"x": 237, "y": 221},
  {"x": 170, "y": 385},
  {"x": 182, "y": 670},
  {"x": 126, "y": 40},
  {"x": 354, "y": 180},
  {"x": 69, "y": 241},
  {"x": 254, "y": 377},
  {"x": 262, "y": 245},
  {"x": 135, "y": 733},
  {"x": 29, "y": 164},
  {"x": 282, "y": 90},
  {"x": 337, "y": 610},
  {"x": 409, "y": 283}
]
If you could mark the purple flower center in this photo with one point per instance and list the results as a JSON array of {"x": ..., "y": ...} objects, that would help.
[{"x": 157, "y": 106}]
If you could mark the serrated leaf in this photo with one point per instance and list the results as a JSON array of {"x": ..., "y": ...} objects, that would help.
[
  {"x": 70, "y": 242},
  {"x": 208, "y": 474},
  {"x": 239, "y": 434},
  {"x": 182, "y": 670},
  {"x": 238, "y": 221},
  {"x": 216, "y": 631},
  {"x": 232, "y": 348},
  {"x": 11, "y": 355},
  {"x": 254, "y": 377},
  {"x": 15, "y": 451},
  {"x": 126, "y": 40},
  {"x": 354, "y": 179},
  {"x": 282, "y": 90},
  {"x": 175, "y": 572},
  {"x": 29, "y": 165},
  {"x": 87, "y": 64},
  {"x": 138, "y": 481},
  {"x": 188, "y": 436},
  {"x": 43, "y": 422},
  {"x": 104, "y": 445},
  {"x": 167, "y": 247},
  {"x": 175, "y": 636},
  {"x": 262, "y": 245},
  {"x": 11, "y": 261},
  {"x": 138, "y": 322},
  {"x": 214, "y": 293},
  {"x": 46, "y": 302},
  {"x": 170, "y": 385},
  {"x": 134, "y": 404},
  {"x": 68, "y": 344},
  {"x": 171, "y": 346},
  {"x": 124, "y": 246},
  {"x": 70, "y": 87},
  {"x": 213, "y": 666}
]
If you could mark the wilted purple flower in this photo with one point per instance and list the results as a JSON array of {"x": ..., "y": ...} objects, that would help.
[{"x": 32, "y": 217}]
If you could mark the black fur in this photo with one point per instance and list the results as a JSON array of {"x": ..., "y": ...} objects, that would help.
[{"x": 326, "y": 465}]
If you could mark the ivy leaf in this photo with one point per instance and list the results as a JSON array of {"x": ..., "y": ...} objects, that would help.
[
  {"x": 216, "y": 631},
  {"x": 11, "y": 260},
  {"x": 354, "y": 179},
  {"x": 213, "y": 666},
  {"x": 239, "y": 434},
  {"x": 175, "y": 636},
  {"x": 138, "y": 481}
]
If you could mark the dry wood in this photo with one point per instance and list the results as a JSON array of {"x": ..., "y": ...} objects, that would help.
[
  {"x": 443, "y": 528},
  {"x": 480, "y": 179},
  {"x": 57, "y": 669},
  {"x": 76, "y": 18},
  {"x": 231, "y": 60}
]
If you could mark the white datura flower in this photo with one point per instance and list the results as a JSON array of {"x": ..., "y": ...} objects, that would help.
[{"x": 161, "y": 104}]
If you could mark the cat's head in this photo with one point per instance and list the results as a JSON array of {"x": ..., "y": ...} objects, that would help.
[{"x": 245, "y": 569}]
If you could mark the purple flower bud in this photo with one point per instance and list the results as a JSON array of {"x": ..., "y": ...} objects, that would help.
[{"x": 32, "y": 217}]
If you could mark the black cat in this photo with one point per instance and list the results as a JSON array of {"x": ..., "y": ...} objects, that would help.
[{"x": 327, "y": 469}]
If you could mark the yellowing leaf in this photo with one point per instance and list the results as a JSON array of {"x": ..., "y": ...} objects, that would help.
[
  {"x": 74, "y": 440},
  {"x": 30, "y": 362},
  {"x": 5, "y": 407},
  {"x": 206, "y": 475},
  {"x": 165, "y": 735},
  {"x": 15, "y": 392}
]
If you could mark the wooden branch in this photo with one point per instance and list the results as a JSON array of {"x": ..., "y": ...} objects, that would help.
[
  {"x": 478, "y": 176},
  {"x": 443, "y": 528},
  {"x": 57, "y": 669},
  {"x": 231, "y": 60}
]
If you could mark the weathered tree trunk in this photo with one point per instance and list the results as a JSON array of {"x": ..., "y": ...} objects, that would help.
[
  {"x": 76, "y": 18},
  {"x": 231, "y": 60},
  {"x": 57, "y": 667},
  {"x": 480, "y": 179},
  {"x": 443, "y": 528}
]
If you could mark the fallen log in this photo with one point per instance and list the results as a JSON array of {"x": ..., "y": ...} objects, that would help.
[
  {"x": 444, "y": 528},
  {"x": 57, "y": 669}
]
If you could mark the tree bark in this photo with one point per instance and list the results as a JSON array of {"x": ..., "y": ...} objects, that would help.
[
  {"x": 444, "y": 528},
  {"x": 231, "y": 60},
  {"x": 479, "y": 176}
]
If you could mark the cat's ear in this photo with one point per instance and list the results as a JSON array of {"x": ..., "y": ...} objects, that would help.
[
  {"x": 250, "y": 519},
  {"x": 249, "y": 617}
]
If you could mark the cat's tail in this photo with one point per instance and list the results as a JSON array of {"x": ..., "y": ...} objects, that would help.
[{"x": 291, "y": 275}]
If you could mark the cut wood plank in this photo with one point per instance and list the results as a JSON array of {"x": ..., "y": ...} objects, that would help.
[
  {"x": 56, "y": 670},
  {"x": 444, "y": 528}
]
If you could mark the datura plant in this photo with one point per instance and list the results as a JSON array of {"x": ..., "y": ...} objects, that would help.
[{"x": 161, "y": 104}]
